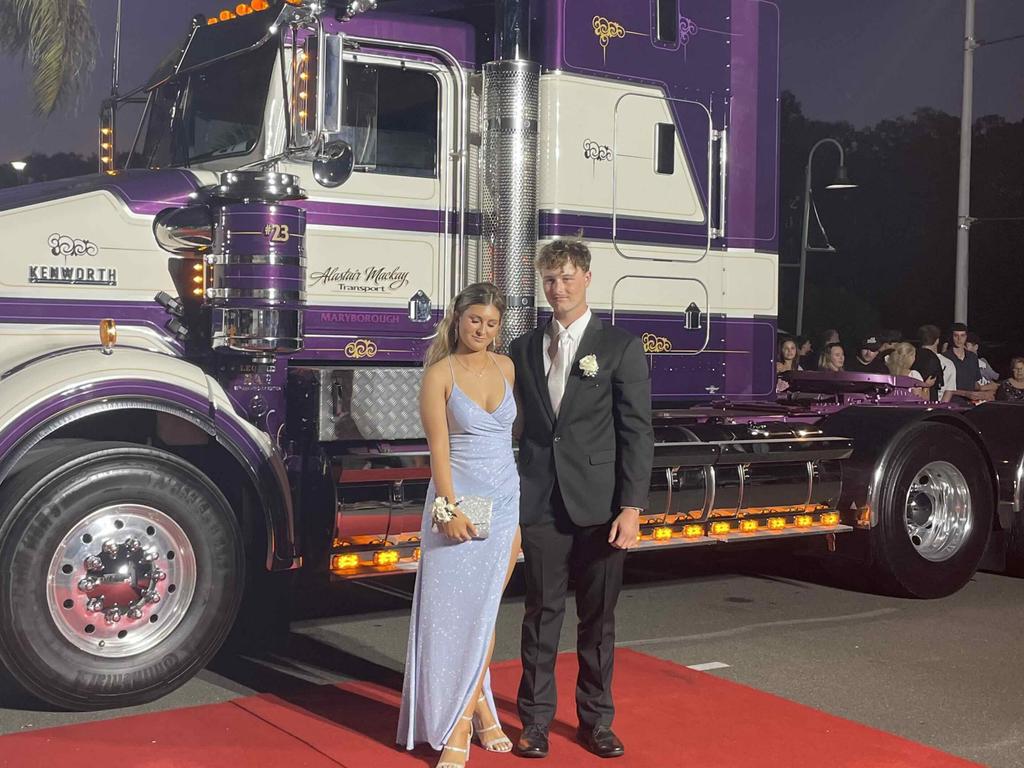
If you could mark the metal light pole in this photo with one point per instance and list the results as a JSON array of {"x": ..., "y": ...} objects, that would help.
[
  {"x": 841, "y": 182},
  {"x": 963, "y": 210}
]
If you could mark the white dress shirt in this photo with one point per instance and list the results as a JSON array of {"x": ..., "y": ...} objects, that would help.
[
  {"x": 575, "y": 329},
  {"x": 948, "y": 375}
]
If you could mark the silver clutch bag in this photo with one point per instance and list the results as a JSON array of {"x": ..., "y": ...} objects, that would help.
[{"x": 478, "y": 509}]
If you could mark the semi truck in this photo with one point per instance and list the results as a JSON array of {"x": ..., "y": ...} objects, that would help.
[{"x": 210, "y": 350}]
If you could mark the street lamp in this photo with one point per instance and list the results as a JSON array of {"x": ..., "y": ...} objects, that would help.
[
  {"x": 19, "y": 169},
  {"x": 842, "y": 181}
]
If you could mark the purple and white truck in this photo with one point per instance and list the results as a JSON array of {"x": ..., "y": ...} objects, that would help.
[{"x": 209, "y": 359}]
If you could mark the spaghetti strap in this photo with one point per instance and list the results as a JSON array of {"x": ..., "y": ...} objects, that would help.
[
  {"x": 451, "y": 370},
  {"x": 501, "y": 373}
]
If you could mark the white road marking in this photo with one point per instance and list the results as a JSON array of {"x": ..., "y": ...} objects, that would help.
[
  {"x": 760, "y": 625},
  {"x": 707, "y": 665}
]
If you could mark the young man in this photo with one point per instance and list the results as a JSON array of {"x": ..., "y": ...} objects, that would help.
[
  {"x": 867, "y": 359},
  {"x": 585, "y": 455},
  {"x": 968, "y": 370},
  {"x": 988, "y": 373},
  {"x": 929, "y": 363}
]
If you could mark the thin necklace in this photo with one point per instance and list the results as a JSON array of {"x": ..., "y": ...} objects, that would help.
[{"x": 479, "y": 374}]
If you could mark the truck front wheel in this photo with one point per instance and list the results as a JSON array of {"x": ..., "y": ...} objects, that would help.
[
  {"x": 123, "y": 567},
  {"x": 934, "y": 513}
]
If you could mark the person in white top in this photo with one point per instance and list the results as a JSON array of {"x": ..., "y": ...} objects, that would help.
[{"x": 899, "y": 362}]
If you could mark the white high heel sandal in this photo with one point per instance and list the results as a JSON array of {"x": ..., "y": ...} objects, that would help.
[
  {"x": 448, "y": 748},
  {"x": 501, "y": 743}
]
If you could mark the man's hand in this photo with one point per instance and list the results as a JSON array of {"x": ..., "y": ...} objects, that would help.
[
  {"x": 625, "y": 528},
  {"x": 929, "y": 382}
]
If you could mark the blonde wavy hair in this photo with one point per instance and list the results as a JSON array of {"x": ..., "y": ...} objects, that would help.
[
  {"x": 901, "y": 359},
  {"x": 447, "y": 339}
]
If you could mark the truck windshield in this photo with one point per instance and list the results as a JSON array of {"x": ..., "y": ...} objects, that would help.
[{"x": 211, "y": 113}]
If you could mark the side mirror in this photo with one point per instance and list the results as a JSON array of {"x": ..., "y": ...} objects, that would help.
[
  {"x": 184, "y": 230},
  {"x": 333, "y": 164},
  {"x": 316, "y": 86}
]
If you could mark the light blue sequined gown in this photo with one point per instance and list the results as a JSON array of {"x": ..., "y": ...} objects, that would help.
[{"x": 459, "y": 585}]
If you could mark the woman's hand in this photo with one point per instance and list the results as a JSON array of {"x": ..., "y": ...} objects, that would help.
[{"x": 458, "y": 529}]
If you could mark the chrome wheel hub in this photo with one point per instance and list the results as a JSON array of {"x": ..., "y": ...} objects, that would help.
[
  {"x": 938, "y": 511},
  {"x": 121, "y": 580}
]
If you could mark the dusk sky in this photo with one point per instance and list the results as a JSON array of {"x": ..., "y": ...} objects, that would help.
[{"x": 854, "y": 60}]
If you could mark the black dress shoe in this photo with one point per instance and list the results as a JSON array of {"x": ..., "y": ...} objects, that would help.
[
  {"x": 602, "y": 741},
  {"x": 533, "y": 742}
]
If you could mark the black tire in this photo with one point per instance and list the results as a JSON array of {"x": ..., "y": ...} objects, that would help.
[
  {"x": 899, "y": 566},
  {"x": 45, "y": 649}
]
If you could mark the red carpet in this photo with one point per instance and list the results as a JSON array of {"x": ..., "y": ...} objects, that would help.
[{"x": 667, "y": 716}]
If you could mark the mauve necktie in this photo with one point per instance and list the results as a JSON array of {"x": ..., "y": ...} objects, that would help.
[{"x": 558, "y": 351}]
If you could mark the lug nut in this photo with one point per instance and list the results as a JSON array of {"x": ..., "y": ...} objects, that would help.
[
  {"x": 94, "y": 604},
  {"x": 135, "y": 613},
  {"x": 132, "y": 544},
  {"x": 94, "y": 563},
  {"x": 110, "y": 547},
  {"x": 87, "y": 583},
  {"x": 113, "y": 615}
]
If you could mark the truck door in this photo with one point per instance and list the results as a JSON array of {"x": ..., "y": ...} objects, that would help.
[
  {"x": 380, "y": 255},
  {"x": 664, "y": 226}
]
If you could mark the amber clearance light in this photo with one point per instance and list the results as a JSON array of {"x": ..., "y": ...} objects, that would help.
[
  {"x": 385, "y": 557},
  {"x": 108, "y": 335},
  {"x": 344, "y": 562},
  {"x": 242, "y": 9}
]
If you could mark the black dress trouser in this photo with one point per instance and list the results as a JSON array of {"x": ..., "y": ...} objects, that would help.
[{"x": 551, "y": 547}]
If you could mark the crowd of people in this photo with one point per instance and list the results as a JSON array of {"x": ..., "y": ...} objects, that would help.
[{"x": 948, "y": 368}]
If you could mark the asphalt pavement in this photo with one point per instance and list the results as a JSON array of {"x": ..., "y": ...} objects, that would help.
[{"x": 946, "y": 673}]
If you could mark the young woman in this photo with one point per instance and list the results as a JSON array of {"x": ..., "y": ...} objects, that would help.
[
  {"x": 789, "y": 359},
  {"x": 467, "y": 409},
  {"x": 833, "y": 357},
  {"x": 900, "y": 360}
]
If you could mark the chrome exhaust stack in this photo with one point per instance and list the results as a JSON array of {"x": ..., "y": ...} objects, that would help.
[{"x": 509, "y": 169}]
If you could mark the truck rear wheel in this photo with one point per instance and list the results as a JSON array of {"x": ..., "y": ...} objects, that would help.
[
  {"x": 934, "y": 513},
  {"x": 123, "y": 567}
]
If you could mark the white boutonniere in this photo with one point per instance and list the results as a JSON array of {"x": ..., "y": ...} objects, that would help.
[{"x": 588, "y": 366}]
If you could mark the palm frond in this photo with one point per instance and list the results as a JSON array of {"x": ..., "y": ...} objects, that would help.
[{"x": 56, "y": 39}]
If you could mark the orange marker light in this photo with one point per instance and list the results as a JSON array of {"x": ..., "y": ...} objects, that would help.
[
  {"x": 693, "y": 531},
  {"x": 748, "y": 526},
  {"x": 717, "y": 529},
  {"x": 242, "y": 9},
  {"x": 416, "y": 554},
  {"x": 803, "y": 521},
  {"x": 344, "y": 562},
  {"x": 108, "y": 335},
  {"x": 776, "y": 523},
  {"x": 385, "y": 557},
  {"x": 662, "y": 533},
  {"x": 830, "y": 518},
  {"x": 259, "y": 5}
]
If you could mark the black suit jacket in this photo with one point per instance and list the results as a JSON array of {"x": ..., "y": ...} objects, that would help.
[{"x": 601, "y": 446}]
